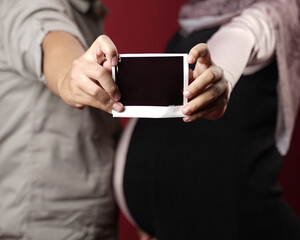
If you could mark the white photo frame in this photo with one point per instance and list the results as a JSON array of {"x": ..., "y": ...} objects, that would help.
[{"x": 151, "y": 85}]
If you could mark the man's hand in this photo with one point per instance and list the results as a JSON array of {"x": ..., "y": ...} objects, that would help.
[{"x": 82, "y": 78}]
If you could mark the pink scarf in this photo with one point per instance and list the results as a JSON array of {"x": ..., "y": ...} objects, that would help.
[
  {"x": 285, "y": 17},
  {"x": 200, "y": 8}
]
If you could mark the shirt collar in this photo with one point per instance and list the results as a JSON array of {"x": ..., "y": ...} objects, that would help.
[{"x": 81, "y": 5}]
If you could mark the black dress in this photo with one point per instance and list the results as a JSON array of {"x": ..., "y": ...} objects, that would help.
[{"x": 211, "y": 180}]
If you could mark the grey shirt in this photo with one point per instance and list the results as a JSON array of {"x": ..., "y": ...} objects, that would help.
[{"x": 55, "y": 161}]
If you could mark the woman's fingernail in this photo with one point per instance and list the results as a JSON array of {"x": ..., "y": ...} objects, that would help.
[
  {"x": 187, "y": 94},
  {"x": 185, "y": 110},
  {"x": 187, "y": 119},
  {"x": 118, "y": 107},
  {"x": 114, "y": 61}
]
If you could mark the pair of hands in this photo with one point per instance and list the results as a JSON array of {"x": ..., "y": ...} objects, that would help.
[{"x": 89, "y": 82}]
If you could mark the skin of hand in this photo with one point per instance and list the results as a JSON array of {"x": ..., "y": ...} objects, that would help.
[
  {"x": 81, "y": 78},
  {"x": 208, "y": 91}
]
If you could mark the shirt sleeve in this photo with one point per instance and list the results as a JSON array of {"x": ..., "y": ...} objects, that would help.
[
  {"x": 244, "y": 45},
  {"x": 24, "y": 25}
]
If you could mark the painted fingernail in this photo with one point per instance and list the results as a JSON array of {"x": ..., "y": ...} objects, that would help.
[
  {"x": 118, "y": 107},
  {"x": 185, "y": 110},
  {"x": 114, "y": 61},
  {"x": 187, "y": 119},
  {"x": 187, "y": 94}
]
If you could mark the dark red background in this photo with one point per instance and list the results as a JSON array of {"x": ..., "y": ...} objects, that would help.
[{"x": 145, "y": 26}]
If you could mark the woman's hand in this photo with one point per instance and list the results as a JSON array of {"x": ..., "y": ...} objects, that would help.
[
  {"x": 144, "y": 236},
  {"x": 82, "y": 78},
  {"x": 208, "y": 91}
]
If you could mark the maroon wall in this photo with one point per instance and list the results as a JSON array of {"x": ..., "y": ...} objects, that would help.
[
  {"x": 145, "y": 26},
  {"x": 141, "y": 26}
]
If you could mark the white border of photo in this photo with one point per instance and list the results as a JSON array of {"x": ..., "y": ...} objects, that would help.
[{"x": 171, "y": 111}]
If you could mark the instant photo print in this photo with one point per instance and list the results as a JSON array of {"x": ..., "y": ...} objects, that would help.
[{"x": 151, "y": 85}]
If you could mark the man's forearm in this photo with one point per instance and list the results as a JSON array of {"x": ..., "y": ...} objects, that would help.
[{"x": 60, "y": 49}]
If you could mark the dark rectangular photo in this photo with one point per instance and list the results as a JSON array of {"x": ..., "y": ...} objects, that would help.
[{"x": 151, "y": 79}]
